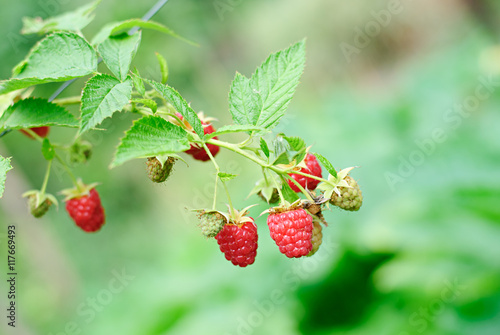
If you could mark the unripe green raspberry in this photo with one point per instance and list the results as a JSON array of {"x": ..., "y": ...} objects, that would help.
[
  {"x": 211, "y": 223},
  {"x": 80, "y": 152},
  {"x": 158, "y": 173},
  {"x": 317, "y": 238},
  {"x": 350, "y": 198},
  {"x": 39, "y": 211}
]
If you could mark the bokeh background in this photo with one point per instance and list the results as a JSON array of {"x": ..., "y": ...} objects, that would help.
[{"x": 422, "y": 256}]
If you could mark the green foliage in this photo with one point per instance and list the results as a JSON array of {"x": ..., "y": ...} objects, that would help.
[
  {"x": 118, "y": 51},
  {"x": 58, "y": 57},
  {"x": 180, "y": 105},
  {"x": 4, "y": 168},
  {"x": 118, "y": 27},
  {"x": 288, "y": 193},
  {"x": 36, "y": 112},
  {"x": 150, "y": 136},
  {"x": 326, "y": 163},
  {"x": 264, "y": 147},
  {"x": 262, "y": 100},
  {"x": 48, "y": 150},
  {"x": 163, "y": 68},
  {"x": 138, "y": 82},
  {"x": 226, "y": 176},
  {"x": 147, "y": 102},
  {"x": 102, "y": 96},
  {"x": 70, "y": 21}
]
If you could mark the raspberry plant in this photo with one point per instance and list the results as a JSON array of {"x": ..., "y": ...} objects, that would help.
[{"x": 167, "y": 126}]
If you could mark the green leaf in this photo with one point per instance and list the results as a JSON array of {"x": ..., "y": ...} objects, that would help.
[
  {"x": 118, "y": 51},
  {"x": 230, "y": 129},
  {"x": 275, "y": 82},
  {"x": 262, "y": 100},
  {"x": 296, "y": 143},
  {"x": 172, "y": 96},
  {"x": 71, "y": 21},
  {"x": 36, "y": 112},
  {"x": 297, "y": 148},
  {"x": 146, "y": 102},
  {"x": 163, "y": 68},
  {"x": 102, "y": 96},
  {"x": 242, "y": 101},
  {"x": 138, "y": 82},
  {"x": 226, "y": 176},
  {"x": 264, "y": 147},
  {"x": 288, "y": 193},
  {"x": 326, "y": 163},
  {"x": 117, "y": 27},
  {"x": 4, "y": 168},
  {"x": 283, "y": 158},
  {"x": 47, "y": 150},
  {"x": 58, "y": 57},
  {"x": 151, "y": 136}
]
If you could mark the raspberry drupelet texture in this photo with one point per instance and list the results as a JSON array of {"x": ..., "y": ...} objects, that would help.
[
  {"x": 156, "y": 172},
  {"x": 87, "y": 211},
  {"x": 313, "y": 168},
  {"x": 350, "y": 198},
  {"x": 238, "y": 243},
  {"x": 292, "y": 232}
]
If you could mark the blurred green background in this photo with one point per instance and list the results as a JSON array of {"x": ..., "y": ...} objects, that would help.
[{"x": 422, "y": 256}]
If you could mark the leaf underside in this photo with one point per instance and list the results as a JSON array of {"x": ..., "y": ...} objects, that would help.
[
  {"x": 36, "y": 112},
  {"x": 151, "y": 136}
]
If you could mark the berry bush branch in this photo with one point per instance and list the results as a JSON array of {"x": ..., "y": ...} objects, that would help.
[{"x": 167, "y": 129}]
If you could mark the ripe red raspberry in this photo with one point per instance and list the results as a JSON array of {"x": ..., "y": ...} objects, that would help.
[
  {"x": 239, "y": 243},
  {"x": 87, "y": 211},
  {"x": 313, "y": 168},
  {"x": 196, "y": 151},
  {"x": 40, "y": 131},
  {"x": 292, "y": 232}
]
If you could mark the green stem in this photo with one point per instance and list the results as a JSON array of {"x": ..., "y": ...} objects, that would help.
[
  {"x": 68, "y": 171},
  {"x": 46, "y": 178},
  {"x": 68, "y": 101},
  {"x": 311, "y": 176},
  {"x": 308, "y": 196},
  {"x": 217, "y": 170},
  {"x": 261, "y": 162},
  {"x": 70, "y": 174}
]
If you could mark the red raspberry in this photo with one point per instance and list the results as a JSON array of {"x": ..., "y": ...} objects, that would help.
[
  {"x": 40, "y": 131},
  {"x": 239, "y": 243},
  {"x": 196, "y": 151},
  {"x": 292, "y": 232},
  {"x": 313, "y": 168},
  {"x": 87, "y": 211}
]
